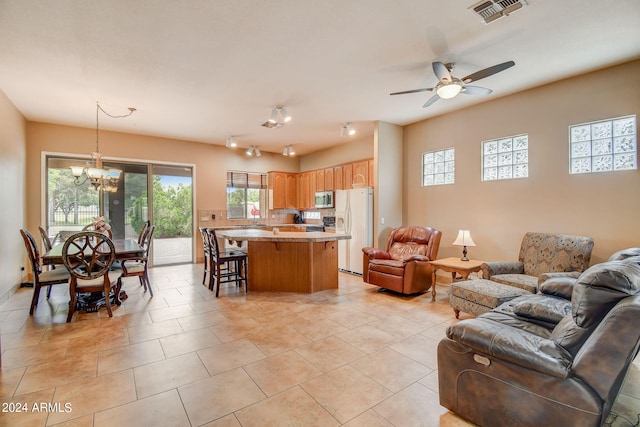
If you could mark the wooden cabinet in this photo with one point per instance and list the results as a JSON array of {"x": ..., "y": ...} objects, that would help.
[
  {"x": 361, "y": 173},
  {"x": 347, "y": 176},
  {"x": 312, "y": 189},
  {"x": 277, "y": 182},
  {"x": 337, "y": 178},
  {"x": 320, "y": 180},
  {"x": 282, "y": 190},
  {"x": 328, "y": 179},
  {"x": 291, "y": 193},
  {"x": 298, "y": 190},
  {"x": 302, "y": 194}
]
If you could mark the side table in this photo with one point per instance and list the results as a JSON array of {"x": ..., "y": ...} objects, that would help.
[{"x": 454, "y": 266}]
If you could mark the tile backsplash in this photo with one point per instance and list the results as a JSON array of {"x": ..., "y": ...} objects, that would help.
[{"x": 218, "y": 217}]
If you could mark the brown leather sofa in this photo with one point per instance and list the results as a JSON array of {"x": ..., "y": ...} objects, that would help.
[
  {"x": 404, "y": 264},
  {"x": 543, "y": 359}
]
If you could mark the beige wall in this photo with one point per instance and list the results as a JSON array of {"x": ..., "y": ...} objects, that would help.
[
  {"x": 13, "y": 147},
  {"x": 604, "y": 206},
  {"x": 354, "y": 149},
  {"x": 387, "y": 200}
]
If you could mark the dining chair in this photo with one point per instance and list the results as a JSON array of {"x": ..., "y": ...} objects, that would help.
[
  {"x": 46, "y": 247},
  {"x": 91, "y": 227},
  {"x": 41, "y": 278},
  {"x": 46, "y": 241},
  {"x": 143, "y": 231},
  {"x": 88, "y": 256},
  {"x": 229, "y": 265},
  {"x": 139, "y": 266},
  {"x": 206, "y": 244}
]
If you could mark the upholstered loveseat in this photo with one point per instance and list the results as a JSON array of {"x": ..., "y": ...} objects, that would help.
[
  {"x": 542, "y": 253},
  {"x": 403, "y": 266},
  {"x": 543, "y": 359}
]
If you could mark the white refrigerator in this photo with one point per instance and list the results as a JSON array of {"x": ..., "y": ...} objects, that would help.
[{"x": 354, "y": 216}]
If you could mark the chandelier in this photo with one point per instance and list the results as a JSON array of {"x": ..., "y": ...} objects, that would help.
[{"x": 98, "y": 177}]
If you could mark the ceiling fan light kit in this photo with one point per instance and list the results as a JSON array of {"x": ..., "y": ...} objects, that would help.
[
  {"x": 449, "y": 87},
  {"x": 449, "y": 90}
]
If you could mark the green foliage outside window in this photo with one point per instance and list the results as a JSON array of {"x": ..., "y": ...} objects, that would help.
[{"x": 172, "y": 210}]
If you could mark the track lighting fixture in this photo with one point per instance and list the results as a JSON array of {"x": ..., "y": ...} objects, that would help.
[
  {"x": 288, "y": 150},
  {"x": 231, "y": 142},
  {"x": 347, "y": 130},
  {"x": 281, "y": 111},
  {"x": 254, "y": 150}
]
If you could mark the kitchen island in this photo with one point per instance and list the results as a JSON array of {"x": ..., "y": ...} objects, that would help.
[{"x": 283, "y": 261}]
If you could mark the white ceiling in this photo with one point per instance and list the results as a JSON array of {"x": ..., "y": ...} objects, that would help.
[{"x": 202, "y": 70}]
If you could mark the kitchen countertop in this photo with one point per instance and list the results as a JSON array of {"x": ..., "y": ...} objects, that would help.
[{"x": 257, "y": 235}]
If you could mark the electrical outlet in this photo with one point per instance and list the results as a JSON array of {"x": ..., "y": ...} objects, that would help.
[
  {"x": 213, "y": 216},
  {"x": 382, "y": 220}
]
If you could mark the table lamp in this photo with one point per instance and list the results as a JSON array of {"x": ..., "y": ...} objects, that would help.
[{"x": 464, "y": 239}]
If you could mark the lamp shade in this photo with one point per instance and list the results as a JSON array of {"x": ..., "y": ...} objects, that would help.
[
  {"x": 448, "y": 90},
  {"x": 464, "y": 239}
]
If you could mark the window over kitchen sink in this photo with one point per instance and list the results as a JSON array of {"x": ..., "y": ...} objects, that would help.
[{"x": 246, "y": 195}]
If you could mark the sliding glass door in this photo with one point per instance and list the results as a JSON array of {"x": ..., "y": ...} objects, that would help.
[
  {"x": 73, "y": 204},
  {"x": 172, "y": 214}
]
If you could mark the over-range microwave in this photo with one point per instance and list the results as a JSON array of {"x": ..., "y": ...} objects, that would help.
[{"x": 324, "y": 199}]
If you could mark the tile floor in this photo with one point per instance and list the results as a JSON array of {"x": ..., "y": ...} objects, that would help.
[{"x": 352, "y": 356}]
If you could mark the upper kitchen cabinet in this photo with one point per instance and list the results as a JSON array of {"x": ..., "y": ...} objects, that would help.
[
  {"x": 347, "y": 176},
  {"x": 361, "y": 173},
  {"x": 276, "y": 190},
  {"x": 328, "y": 180},
  {"x": 302, "y": 184},
  {"x": 337, "y": 178},
  {"x": 320, "y": 186},
  {"x": 291, "y": 192},
  {"x": 282, "y": 190},
  {"x": 313, "y": 187}
]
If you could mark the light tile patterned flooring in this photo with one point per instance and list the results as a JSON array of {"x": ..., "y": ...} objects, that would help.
[{"x": 352, "y": 356}]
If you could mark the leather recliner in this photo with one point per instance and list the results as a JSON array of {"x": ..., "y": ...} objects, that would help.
[
  {"x": 526, "y": 363},
  {"x": 404, "y": 264}
]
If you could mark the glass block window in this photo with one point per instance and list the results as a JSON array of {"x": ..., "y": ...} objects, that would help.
[
  {"x": 438, "y": 167},
  {"x": 604, "y": 146},
  {"x": 505, "y": 158}
]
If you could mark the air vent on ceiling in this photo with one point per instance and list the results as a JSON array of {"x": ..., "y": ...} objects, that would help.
[{"x": 490, "y": 10}]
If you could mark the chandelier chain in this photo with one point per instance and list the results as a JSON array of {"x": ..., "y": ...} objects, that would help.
[{"x": 113, "y": 116}]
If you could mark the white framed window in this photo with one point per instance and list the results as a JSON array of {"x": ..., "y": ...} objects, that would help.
[
  {"x": 603, "y": 146},
  {"x": 439, "y": 167},
  {"x": 505, "y": 158}
]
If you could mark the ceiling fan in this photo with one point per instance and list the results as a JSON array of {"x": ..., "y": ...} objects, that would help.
[{"x": 449, "y": 86}]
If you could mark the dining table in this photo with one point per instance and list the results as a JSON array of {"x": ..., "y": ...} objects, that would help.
[{"x": 124, "y": 249}]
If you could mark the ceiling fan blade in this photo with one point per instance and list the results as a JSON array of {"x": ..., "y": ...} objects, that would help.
[
  {"x": 475, "y": 90},
  {"x": 411, "y": 91},
  {"x": 442, "y": 72},
  {"x": 487, "y": 72},
  {"x": 431, "y": 100}
]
